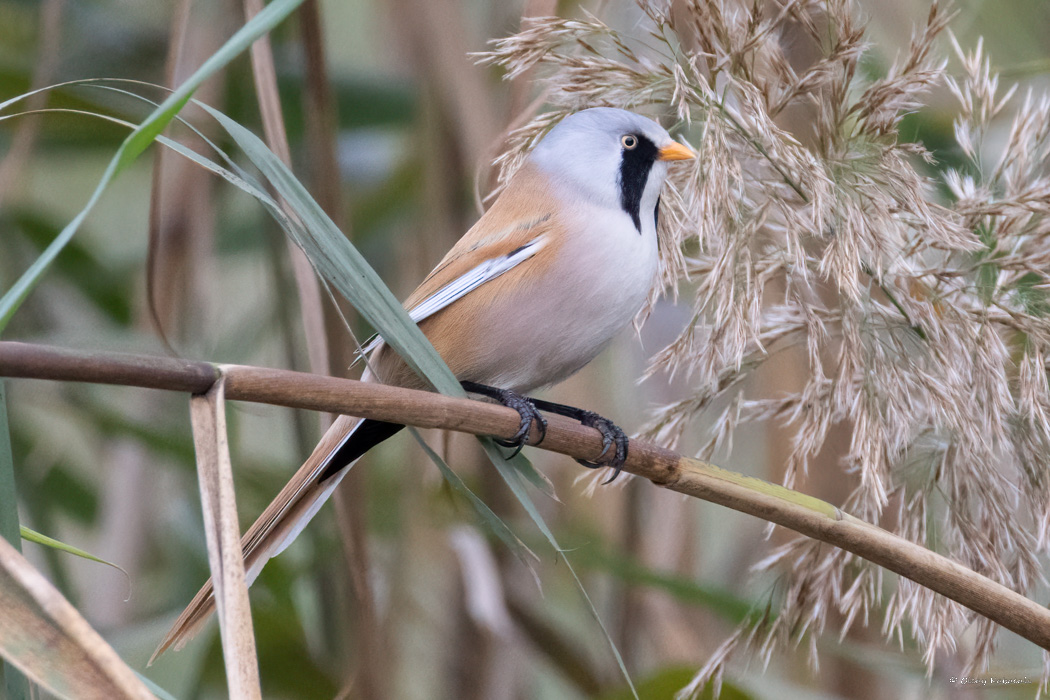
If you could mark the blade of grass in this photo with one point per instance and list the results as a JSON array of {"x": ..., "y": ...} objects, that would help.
[
  {"x": 44, "y": 540},
  {"x": 727, "y": 604},
  {"x": 11, "y": 679},
  {"x": 137, "y": 142},
  {"x": 340, "y": 262},
  {"x": 489, "y": 520},
  {"x": 236, "y": 177},
  {"x": 514, "y": 481}
]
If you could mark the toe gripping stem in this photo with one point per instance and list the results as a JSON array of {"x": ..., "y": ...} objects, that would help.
[
  {"x": 529, "y": 410},
  {"x": 612, "y": 436},
  {"x": 525, "y": 407}
]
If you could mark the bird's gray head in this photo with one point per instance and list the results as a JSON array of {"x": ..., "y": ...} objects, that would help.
[{"x": 612, "y": 157}]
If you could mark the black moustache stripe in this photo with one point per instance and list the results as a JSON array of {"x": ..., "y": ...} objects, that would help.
[{"x": 635, "y": 165}]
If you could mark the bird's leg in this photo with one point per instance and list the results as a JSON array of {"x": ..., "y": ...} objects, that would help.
[
  {"x": 522, "y": 404},
  {"x": 612, "y": 435}
]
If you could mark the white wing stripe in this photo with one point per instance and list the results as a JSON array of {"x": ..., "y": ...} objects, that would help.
[
  {"x": 466, "y": 283},
  {"x": 474, "y": 278}
]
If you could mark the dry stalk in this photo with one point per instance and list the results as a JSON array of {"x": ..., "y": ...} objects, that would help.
[
  {"x": 808, "y": 516},
  {"x": 47, "y": 638},
  {"x": 215, "y": 476},
  {"x": 310, "y": 298}
]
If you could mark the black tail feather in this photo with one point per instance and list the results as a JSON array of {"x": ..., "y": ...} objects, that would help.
[{"x": 366, "y": 435}]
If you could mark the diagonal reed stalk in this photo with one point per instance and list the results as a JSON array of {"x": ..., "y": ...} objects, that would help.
[{"x": 776, "y": 504}]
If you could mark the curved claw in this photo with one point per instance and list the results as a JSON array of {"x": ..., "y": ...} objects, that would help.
[
  {"x": 529, "y": 415},
  {"x": 611, "y": 435}
]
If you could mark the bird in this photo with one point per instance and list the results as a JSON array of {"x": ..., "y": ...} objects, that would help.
[{"x": 560, "y": 263}]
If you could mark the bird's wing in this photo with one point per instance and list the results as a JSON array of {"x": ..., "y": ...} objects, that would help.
[
  {"x": 519, "y": 225},
  {"x": 522, "y": 222},
  {"x": 473, "y": 278},
  {"x": 495, "y": 260}
]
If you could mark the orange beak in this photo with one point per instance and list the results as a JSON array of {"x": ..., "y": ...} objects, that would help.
[{"x": 676, "y": 151}]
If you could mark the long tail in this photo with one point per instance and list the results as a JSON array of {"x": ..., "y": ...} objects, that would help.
[{"x": 288, "y": 514}]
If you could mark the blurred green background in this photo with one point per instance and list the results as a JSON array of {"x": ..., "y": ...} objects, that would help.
[{"x": 415, "y": 602}]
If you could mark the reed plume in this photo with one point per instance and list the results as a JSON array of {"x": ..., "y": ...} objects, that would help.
[{"x": 916, "y": 288}]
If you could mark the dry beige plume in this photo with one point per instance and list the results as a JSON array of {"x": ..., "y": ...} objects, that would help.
[{"x": 917, "y": 291}]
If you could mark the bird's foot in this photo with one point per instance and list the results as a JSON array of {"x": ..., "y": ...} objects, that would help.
[
  {"x": 525, "y": 408},
  {"x": 612, "y": 436}
]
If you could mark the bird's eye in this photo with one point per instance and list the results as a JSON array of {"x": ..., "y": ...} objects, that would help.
[{"x": 629, "y": 141}]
